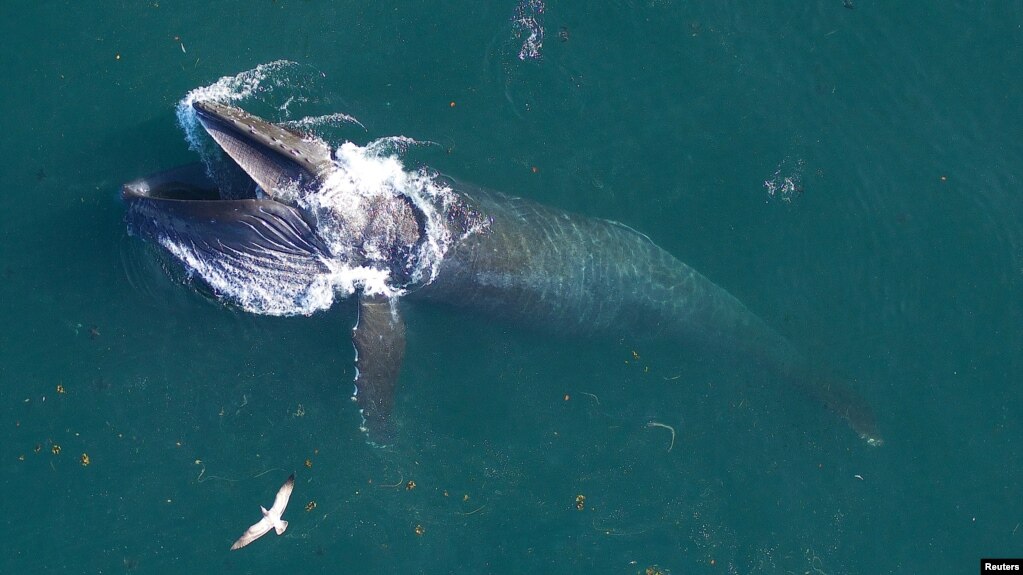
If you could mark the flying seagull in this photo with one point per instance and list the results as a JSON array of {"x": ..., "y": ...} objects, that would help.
[{"x": 271, "y": 517}]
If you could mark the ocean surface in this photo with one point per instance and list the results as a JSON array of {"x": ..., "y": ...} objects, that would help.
[{"x": 850, "y": 170}]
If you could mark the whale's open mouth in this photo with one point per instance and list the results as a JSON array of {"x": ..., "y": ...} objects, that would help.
[
  {"x": 184, "y": 205},
  {"x": 258, "y": 253},
  {"x": 234, "y": 236},
  {"x": 251, "y": 205},
  {"x": 188, "y": 183},
  {"x": 278, "y": 222}
]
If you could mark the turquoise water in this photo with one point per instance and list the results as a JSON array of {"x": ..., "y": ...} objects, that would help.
[{"x": 891, "y": 245}]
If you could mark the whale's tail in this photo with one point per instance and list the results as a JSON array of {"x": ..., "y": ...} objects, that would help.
[
  {"x": 815, "y": 382},
  {"x": 843, "y": 401},
  {"x": 744, "y": 332}
]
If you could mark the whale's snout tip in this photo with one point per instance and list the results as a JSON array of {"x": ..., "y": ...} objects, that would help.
[{"x": 203, "y": 106}]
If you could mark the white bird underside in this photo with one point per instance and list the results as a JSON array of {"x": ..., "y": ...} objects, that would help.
[{"x": 271, "y": 517}]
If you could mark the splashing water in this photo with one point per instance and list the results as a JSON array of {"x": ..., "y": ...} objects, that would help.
[
  {"x": 336, "y": 119},
  {"x": 528, "y": 21},
  {"x": 787, "y": 182}
]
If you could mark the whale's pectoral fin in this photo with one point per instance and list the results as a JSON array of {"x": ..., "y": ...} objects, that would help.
[{"x": 379, "y": 338}]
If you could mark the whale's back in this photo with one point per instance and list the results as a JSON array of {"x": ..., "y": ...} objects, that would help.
[{"x": 573, "y": 274}]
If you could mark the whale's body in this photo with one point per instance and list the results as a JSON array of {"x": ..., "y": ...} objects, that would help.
[
  {"x": 502, "y": 256},
  {"x": 577, "y": 274}
]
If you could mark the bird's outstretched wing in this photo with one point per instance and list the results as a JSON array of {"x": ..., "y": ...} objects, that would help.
[
  {"x": 281, "y": 500},
  {"x": 252, "y": 533}
]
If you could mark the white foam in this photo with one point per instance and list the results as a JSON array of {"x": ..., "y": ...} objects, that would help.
[
  {"x": 528, "y": 19},
  {"x": 337, "y": 119},
  {"x": 362, "y": 177},
  {"x": 342, "y": 206},
  {"x": 371, "y": 281},
  {"x": 395, "y": 145}
]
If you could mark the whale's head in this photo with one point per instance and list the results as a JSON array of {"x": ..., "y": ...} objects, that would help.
[{"x": 272, "y": 244}]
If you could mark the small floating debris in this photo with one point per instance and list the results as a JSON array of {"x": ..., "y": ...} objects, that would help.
[{"x": 664, "y": 426}]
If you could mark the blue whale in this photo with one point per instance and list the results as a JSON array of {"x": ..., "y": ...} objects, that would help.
[{"x": 304, "y": 223}]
